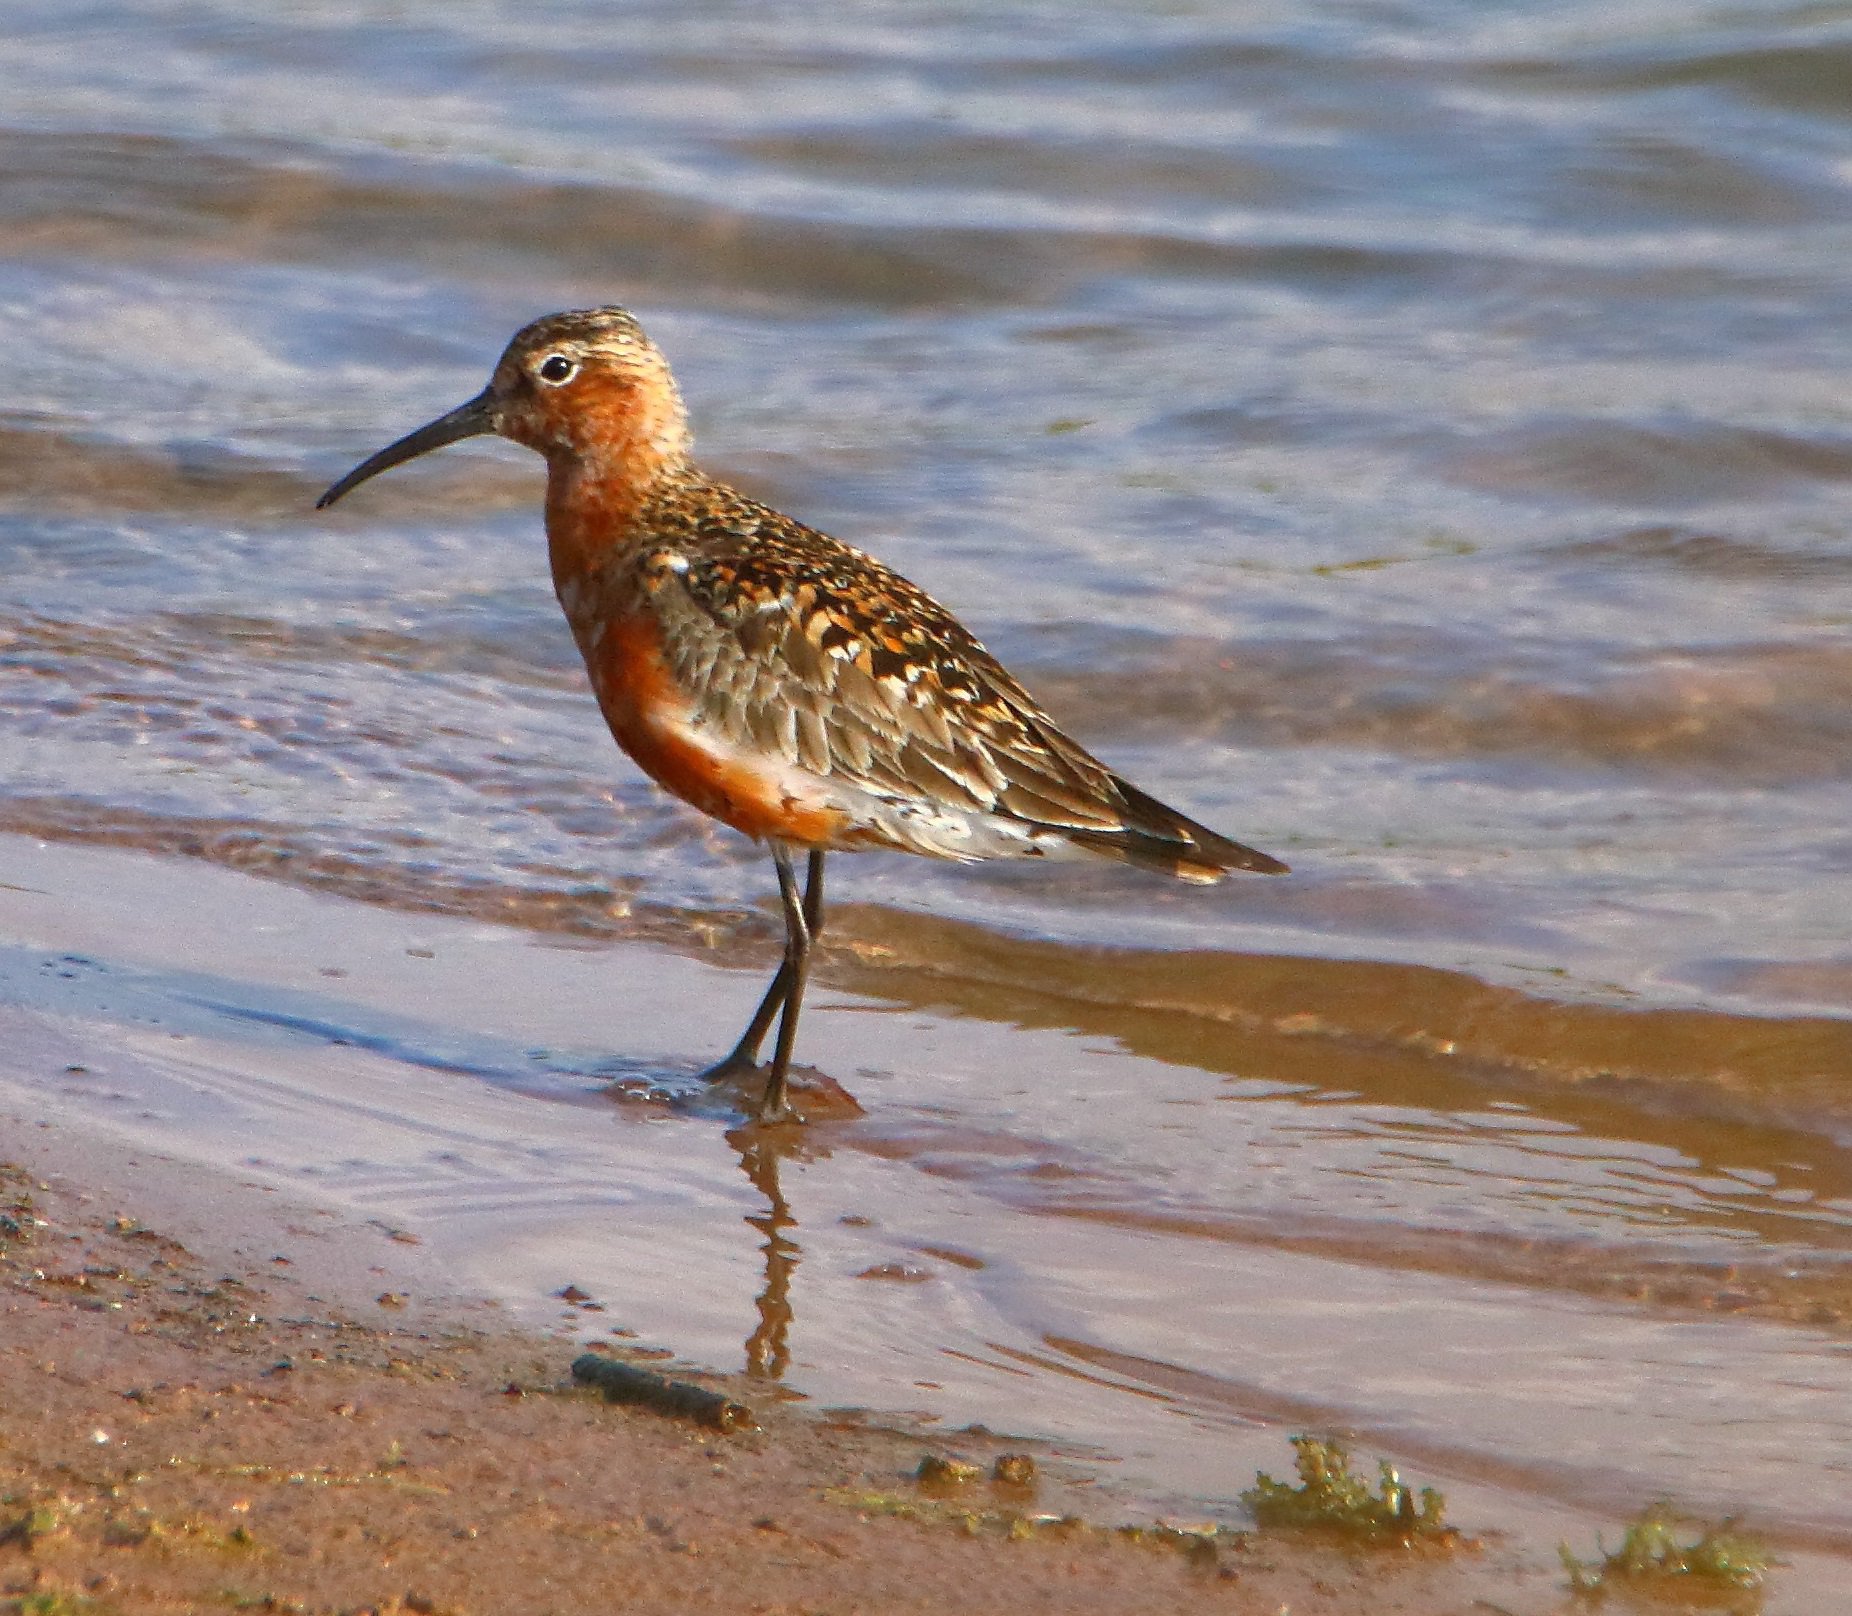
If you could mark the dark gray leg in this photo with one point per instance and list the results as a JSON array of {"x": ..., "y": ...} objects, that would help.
[
  {"x": 745, "y": 1055},
  {"x": 795, "y": 970}
]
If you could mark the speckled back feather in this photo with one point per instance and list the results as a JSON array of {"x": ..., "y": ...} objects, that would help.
[{"x": 800, "y": 648}]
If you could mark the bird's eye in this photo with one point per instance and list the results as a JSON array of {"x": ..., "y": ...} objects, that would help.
[{"x": 557, "y": 368}]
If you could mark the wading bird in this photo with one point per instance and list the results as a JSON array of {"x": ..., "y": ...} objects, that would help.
[{"x": 788, "y": 685}]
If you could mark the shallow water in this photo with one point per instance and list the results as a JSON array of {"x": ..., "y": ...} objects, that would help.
[{"x": 1413, "y": 438}]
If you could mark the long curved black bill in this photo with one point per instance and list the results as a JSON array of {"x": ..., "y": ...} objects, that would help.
[{"x": 469, "y": 420}]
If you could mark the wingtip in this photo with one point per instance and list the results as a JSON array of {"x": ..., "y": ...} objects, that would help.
[
  {"x": 1216, "y": 863},
  {"x": 1205, "y": 855}
]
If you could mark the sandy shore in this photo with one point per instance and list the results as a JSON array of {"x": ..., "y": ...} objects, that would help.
[
  {"x": 294, "y": 1202},
  {"x": 188, "y": 1424}
]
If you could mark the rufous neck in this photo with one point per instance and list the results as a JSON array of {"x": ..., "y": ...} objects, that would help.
[{"x": 595, "y": 508}]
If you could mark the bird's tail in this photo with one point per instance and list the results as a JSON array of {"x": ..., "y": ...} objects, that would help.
[{"x": 1159, "y": 838}]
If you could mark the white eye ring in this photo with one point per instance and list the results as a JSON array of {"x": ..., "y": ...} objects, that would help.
[{"x": 556, "y": 369}]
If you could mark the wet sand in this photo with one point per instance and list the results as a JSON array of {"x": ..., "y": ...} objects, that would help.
[
  {"x": 227, "y": 1420},
  {"x": 470, "y": 1120}
]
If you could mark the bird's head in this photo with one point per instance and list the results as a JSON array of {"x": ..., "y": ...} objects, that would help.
[{"x": 585, "y": 387}]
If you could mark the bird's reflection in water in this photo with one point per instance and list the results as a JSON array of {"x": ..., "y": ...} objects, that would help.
[{"x": 761, "y": 1150}]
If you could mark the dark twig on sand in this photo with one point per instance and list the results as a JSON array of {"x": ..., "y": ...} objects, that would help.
[{"x": 626, "y": 1383}]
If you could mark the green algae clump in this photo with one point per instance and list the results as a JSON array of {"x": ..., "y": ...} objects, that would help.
[
  {"x": 945, "y": 1474},
  {"x": 1659, "y": 1552},
  {"x": 1332, "y": 1498}
]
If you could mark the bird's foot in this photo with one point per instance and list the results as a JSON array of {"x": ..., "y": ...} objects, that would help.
[
  {"x": 810, "y": 1095},
  {"x": 738, "y": 1067}
]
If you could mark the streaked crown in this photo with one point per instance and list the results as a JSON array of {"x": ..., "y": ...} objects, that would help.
[{"x": 590, "y": 383}]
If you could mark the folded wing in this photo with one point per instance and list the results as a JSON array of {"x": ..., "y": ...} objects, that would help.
[{"x": 804, "y": 650}]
